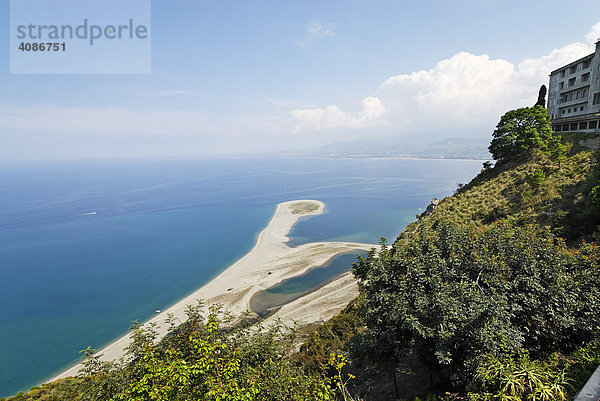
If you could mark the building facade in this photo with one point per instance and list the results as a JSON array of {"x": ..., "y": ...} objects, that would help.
[{"x": 574, "y": 95}]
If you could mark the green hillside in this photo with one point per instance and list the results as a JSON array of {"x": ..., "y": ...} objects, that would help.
[{"x": 509, "y": 193}]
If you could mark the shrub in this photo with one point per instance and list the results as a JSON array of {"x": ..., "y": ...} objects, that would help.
[
  {"x": 330, "y": 337},
  {"x": 594, "y": 200},
  {"x": 519, "y": 377},
  {"x": 537, "y": 178},
  {"x": 452, "y": 295}
]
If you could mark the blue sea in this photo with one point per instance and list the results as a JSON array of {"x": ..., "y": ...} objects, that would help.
[{"x": 86, "y": 248}]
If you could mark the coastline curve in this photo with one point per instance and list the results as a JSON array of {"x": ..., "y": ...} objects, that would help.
[{"x": 269, "y": 262}]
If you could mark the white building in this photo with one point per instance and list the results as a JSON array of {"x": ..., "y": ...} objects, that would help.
[{"x": 574, "y": 95}]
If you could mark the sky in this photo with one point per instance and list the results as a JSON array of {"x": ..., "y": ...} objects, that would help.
[{"x": 247, "y": 77}]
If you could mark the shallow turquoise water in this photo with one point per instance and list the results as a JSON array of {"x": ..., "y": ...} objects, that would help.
[
  {"x": 87, "y": 248},
  {"x": 293, "y": 288}
]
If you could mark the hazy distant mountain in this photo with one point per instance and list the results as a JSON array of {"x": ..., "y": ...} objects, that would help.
[{"x": 450, "y": 148}]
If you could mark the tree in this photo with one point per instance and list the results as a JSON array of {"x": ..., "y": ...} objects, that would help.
[
  {"x": 203, "y": 360},
  {"x": 556, "y": 150},
  {"x": 451, "y": 295},
  {"x": 521, "y": 131}
]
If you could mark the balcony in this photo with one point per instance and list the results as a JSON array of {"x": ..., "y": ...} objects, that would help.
[{"x": 578, "y": 85}]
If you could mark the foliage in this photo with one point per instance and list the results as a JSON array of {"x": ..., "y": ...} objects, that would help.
[
  {"x": 246, "y": 364},
  {"x": 268, "y": 353},
  {"x": 451, "y": 295},
  {"x": 520, "y": 132},
  {"x": 198, "y": 360},
  {"x": 556, "y": 150},
  {"x": 210, "y": 371},
  {"x": 595, "y": 200},
  {"x": 460, "y": 187},
  {"x": 519, "y": 377},
  {"x": 339, "y": 379},
  {"x": 582, "y": 363},
  {"x": 63, "y": 389},
  {"x": 504, "y": 194},
  {"x": 331, "y": 336},
  {"x": 537, "y": 178},
  {"x": 594, "y": 185}
]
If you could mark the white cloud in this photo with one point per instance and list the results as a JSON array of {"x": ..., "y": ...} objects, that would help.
[
  {"x": 332, "y": 117},
  {"x": 316, "y": 30},
  {"x": 539, "y": 68},
  {"x": 458, "y": 86},
  {"x": 465, "y": 94},
  {"x": 594, "y": 34}
]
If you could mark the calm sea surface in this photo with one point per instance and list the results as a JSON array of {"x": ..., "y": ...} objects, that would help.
[{"x": 87, "y": 248}]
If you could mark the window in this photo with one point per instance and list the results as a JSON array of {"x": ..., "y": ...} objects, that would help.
[
  {"x": 571, "y": 96},
  {"x": 573, "y": 69},
  {"x": 563, "y": 111},
  {"x": 562, "y": 74},
  {"x": 558, "y": 128},
  {"x": 585, "y": 77},
  {"x": 573, "y": 126},
  {"x": 565, "y": 127},
  {"x": 571, "y": 82},
  {"x": 581, "y": 108},
  {"x": 596, "y": 99},
  {"x": 561, "y": 85},
  {"x": 578, "y": 95},
  {"x": 584, "y": 92},
  {"x": 586, "y": 64},
  {"x": 593, "y": 124},
  {"x": 583, "y": 125},
  {"x": 568, "y": 111}
]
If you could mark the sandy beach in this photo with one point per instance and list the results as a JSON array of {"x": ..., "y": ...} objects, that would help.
[{"x": 267, "y": 264}]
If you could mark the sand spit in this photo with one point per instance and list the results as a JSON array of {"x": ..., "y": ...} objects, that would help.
[{"x": 268, "y": 263}]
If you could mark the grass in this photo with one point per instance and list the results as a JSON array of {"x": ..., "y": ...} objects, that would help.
[
  {"x": 303, "y": 207},
  {"x": 509, "y": 193}
]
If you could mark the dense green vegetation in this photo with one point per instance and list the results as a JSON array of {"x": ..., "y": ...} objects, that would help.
[
  {"x": 495, "y": 295},
  {"x": 533, "y": 192},
  {"x": 522, "y": 131},
  {"x": 199, "y": 361},
  {"x": 454, "y": 297}
]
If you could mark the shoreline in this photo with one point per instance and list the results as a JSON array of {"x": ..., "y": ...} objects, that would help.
[
  {"x": 269, "y": 262},
  {"x": 270, "y": 311}
]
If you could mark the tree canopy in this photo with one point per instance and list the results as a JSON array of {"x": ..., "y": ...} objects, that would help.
[
  {"x": 523, "y": 130},
  {"x": 452, "y": 295}
]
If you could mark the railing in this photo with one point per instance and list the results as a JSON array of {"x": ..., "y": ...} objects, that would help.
[{"x": 591, "y": 390}]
